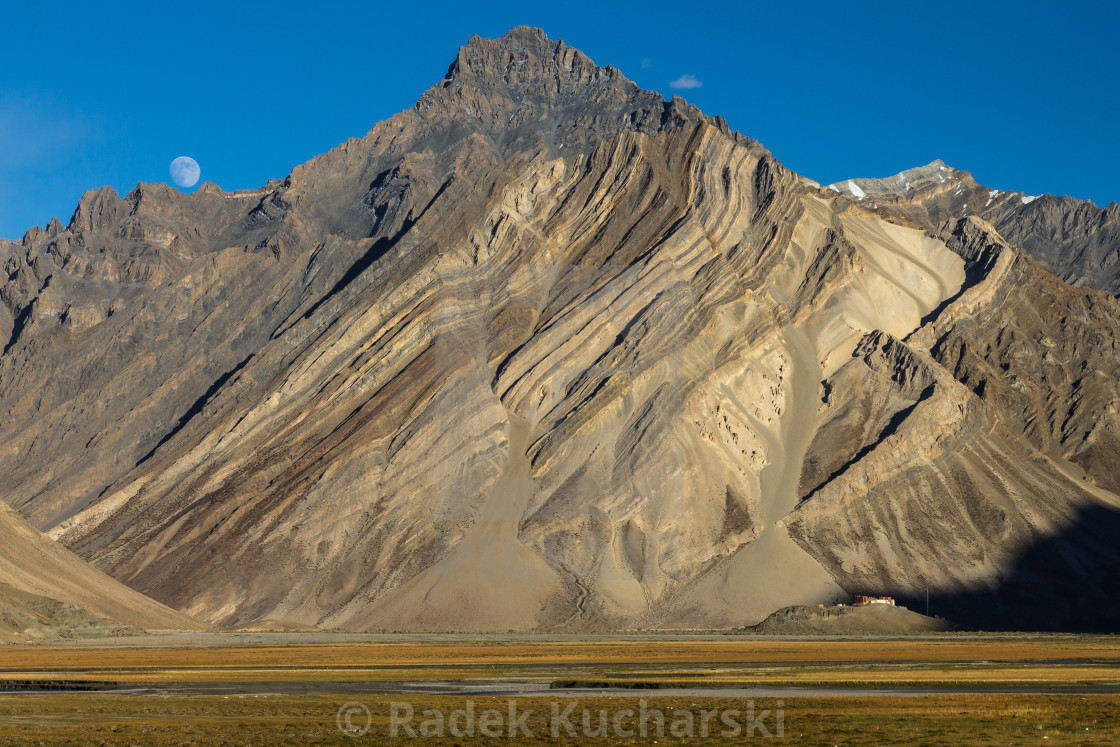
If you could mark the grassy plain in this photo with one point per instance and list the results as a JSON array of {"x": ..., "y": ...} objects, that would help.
[
  {"x": 932, "y": 720},
  {"x": 227, "y": 654},
  {"x": 309, "y": 716}
]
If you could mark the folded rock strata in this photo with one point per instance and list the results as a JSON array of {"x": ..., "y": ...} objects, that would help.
[{"x": 544, "y": 351}]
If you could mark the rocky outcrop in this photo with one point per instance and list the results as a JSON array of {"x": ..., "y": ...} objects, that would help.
[
  {"x": 856, "y": 620},
  {"x": 544, "y": 351}
]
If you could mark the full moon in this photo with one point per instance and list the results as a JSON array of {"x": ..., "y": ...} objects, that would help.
[{"x": 185, "y": 171}]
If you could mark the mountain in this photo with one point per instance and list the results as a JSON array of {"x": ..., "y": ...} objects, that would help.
[
  {"x": 546, "y": 351},
  {"x": 1076, "y": 239},
  {"x": 48, "y": 592}
]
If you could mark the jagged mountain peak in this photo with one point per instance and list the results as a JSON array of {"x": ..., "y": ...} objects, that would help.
[
  {"x": 527, "y": 67},
  {"x": 525, "y": 60},
  {"x": 523, "y": 85}
]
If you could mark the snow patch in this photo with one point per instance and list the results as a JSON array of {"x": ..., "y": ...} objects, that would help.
[
  {"x": 1027, "y": 199},
  {"x": 855, "y": 190},
  {"x": 991, "y": 196}
]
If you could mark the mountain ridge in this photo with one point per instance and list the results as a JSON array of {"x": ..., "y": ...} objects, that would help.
[
  {"x": 521, "y": 358},
  {"x": 1075, "y": 238}
]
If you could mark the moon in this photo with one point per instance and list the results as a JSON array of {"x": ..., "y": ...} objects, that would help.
[{"x": 185, "y": 171}]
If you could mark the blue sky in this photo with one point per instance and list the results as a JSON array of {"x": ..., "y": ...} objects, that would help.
[{"x": 1026, "y": 95}]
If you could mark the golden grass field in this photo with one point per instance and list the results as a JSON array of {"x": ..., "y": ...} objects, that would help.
[
  {"x": 932, "y": 720},
  {"x": 515, "y": 653},
  {"x": 302, "y": 718}
]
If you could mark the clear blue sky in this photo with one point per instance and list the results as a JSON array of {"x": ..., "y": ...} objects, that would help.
[{"x": 1026, "y": 95}]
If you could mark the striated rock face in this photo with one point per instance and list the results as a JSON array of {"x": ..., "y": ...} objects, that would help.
[
  {"x": 1076, "y": 239},
  {"x": 980, "y": 436},
  {"x": 543, "y": 351}
]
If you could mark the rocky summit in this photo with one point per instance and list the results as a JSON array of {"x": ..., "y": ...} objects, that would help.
[{"x": 546, "y": 351}]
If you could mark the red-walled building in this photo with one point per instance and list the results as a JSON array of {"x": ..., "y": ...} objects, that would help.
[{"x": 863, "y": 599}]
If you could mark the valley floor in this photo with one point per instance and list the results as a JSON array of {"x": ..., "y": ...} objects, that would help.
[{"x": 324, "y": 688}]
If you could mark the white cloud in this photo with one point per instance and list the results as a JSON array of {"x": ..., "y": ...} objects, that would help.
[
  {"x": 685, "y": 81},
  {"x": 647, "y": 63}
]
